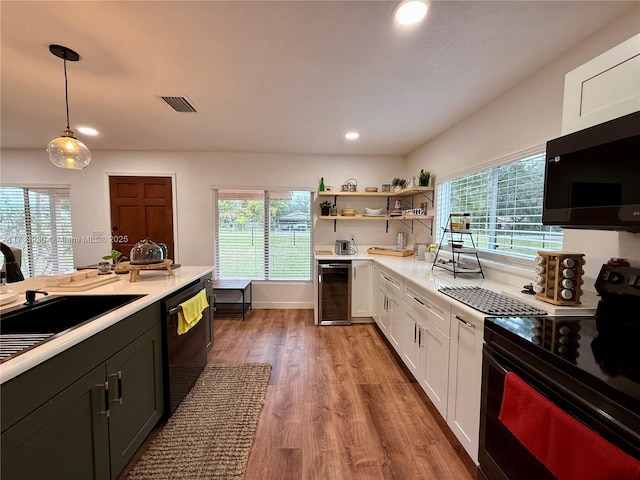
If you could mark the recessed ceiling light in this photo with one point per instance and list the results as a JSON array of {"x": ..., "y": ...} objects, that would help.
[
  {"x": 410, "y": 12},
  {"x": 352, "y": 135},
  {"x": 88, "y": 131}
]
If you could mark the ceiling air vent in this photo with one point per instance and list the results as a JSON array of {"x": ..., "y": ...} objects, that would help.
[{"x": 180, "y": 104}]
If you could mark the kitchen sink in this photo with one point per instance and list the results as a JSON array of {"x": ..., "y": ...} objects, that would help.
[{"x": 27, "y": 326}]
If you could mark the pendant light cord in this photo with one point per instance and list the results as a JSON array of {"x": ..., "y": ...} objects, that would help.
[{"x": 66, "y": 93}]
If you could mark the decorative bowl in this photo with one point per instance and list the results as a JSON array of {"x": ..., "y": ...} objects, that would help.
[
  {"x": 372, "y": 211},
  {"x": 348, "y": 212},
  {"x": 370, "y": 189}
]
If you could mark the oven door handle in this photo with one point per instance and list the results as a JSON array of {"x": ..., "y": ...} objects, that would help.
[
  {"x": 494, "y": 362},
  {"x": 173, "y": 310}
]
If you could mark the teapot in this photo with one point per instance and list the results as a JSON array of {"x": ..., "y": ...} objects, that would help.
[{"x": 146, "y": 252}]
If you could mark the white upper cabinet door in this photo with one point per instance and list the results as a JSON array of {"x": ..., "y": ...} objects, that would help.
[{"x": 604, "y": 88}]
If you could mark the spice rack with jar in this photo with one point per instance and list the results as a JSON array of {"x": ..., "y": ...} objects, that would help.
[{"x": 559, "y": 277}]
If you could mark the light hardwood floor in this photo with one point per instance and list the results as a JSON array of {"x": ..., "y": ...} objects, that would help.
[{"x": 340, "y": 404}]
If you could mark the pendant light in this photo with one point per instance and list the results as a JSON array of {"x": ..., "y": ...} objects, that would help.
[{"x": 67, "y": 151}]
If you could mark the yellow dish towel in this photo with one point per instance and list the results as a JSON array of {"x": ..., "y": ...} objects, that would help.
[{"x": 191, "y": 311}]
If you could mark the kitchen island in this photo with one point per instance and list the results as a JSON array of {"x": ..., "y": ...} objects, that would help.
[
  {"x": 154, "y": 285},
  {"x": 80, "y": 404}
]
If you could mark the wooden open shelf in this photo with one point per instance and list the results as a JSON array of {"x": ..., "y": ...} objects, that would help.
[
  {"x": 378, "y": 217},
  {"x": 400, "y": 193}
]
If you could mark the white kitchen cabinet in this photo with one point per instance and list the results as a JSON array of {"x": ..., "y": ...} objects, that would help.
[
  {"x": 604, "y": 88},
  {"x": 377, "y": 302},
  {"x": 395, "y": 319},
  {"x": 436, "y": 310},
  {"x": 381, "y": 299},
  {"x": 434, "y": 365},
  {"x": 390, "y": 314},
  {"x": 465, "y": 377},
  {"x": 425, "y": 343},
  {"x": 412, "y": 323},
  {"x": 361, "y": 288}
]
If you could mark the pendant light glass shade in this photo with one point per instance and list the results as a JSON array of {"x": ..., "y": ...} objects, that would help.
[{"x": 67, "y": 151}]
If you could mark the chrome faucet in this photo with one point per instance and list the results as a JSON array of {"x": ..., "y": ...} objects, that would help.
[{"x": 30, "y": 296}]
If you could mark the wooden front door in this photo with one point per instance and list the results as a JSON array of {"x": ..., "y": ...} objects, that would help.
[{"x": 141, "y": 207}]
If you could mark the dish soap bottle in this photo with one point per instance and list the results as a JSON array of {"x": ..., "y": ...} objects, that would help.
[{"x": 321, "y": 187}]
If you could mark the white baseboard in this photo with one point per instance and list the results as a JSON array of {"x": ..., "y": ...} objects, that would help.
[{"x": 283, "y": 305}]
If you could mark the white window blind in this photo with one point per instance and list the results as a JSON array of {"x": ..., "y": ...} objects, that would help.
[
  {"x": 505, "y": 207},
  {"x": 263, "y": 234},
  {"x": 38, "y": 221}
]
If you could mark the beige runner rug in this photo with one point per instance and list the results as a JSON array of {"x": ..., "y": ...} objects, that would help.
[{"x": 210, "y": 434}]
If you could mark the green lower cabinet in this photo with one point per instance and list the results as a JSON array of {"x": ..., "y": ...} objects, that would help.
[
  {"x": 65, "y": 438},
  {"x": 92, "y": 428},
  {"x": 135, "y": 391}
]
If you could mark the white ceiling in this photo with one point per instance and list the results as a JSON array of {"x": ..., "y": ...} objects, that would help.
[{"x": 267, "y": 76}]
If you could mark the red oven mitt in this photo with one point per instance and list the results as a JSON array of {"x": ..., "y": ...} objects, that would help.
[{"x": 569, "y": 449}]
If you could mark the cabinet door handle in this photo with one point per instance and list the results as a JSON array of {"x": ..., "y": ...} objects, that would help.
[
  {"x": 105, "y": 386},
  {"x": 118, "y": 382},
  {"x": 470, "y": 325},
  {"x": 420, "y": 302},
  {"x": 355, "y": 272},
  {"x": 415, "y": 332},
  {"x": 420, "y": 337}
]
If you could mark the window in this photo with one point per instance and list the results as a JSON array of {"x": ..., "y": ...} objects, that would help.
[
  {"x": 505, "y": 207},
  {"x": 263, "y": 234},
  {"x": 38, "y": 221}
]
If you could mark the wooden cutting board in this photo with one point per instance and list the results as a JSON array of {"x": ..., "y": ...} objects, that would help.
[
  {"x": 389, "y": 251},
  {"x": 85, "y": 283}
]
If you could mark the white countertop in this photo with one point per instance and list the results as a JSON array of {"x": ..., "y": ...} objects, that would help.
[
  {"x": 155, "y": 285},
  {"x": 422, "y": 274}
]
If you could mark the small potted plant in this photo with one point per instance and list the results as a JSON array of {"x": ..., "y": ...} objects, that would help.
[
  {"x": 398, "y": 184},
  {"x": 423, "y": 180},
  {"x": 325, "y": 208},
  {"x": 114, "y": 256}
]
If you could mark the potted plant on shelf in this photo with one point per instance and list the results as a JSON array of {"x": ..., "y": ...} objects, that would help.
[
  {"x": 325, "y": 208},
  {"x": 398, "y": 184},
  {"x": 423, "y": 180}
]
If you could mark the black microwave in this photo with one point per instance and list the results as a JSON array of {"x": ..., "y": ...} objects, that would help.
[{"x": 592, "y": 177}]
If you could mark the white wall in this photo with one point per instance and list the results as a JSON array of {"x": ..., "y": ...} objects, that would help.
[
  {"x": 526, "y": 116},
  {"x": 196, "y": 173}
]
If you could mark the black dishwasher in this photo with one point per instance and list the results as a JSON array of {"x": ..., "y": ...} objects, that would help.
[
  {"x": 334, "y": 292},
  {"x": 185, "y": 355}
]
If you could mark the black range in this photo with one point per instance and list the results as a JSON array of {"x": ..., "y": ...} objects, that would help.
[{"x": 589, "y": 366}]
